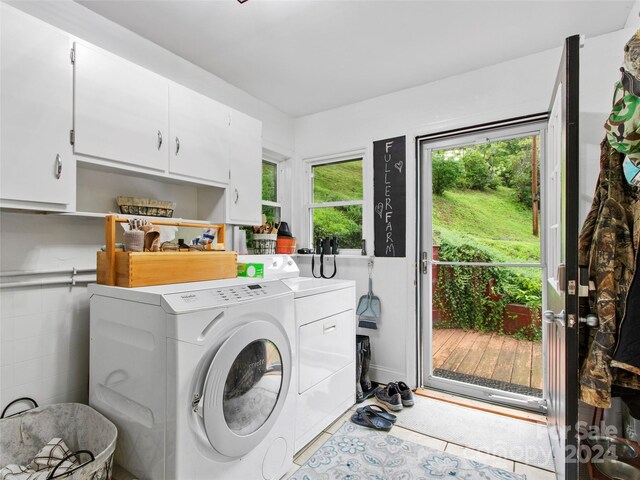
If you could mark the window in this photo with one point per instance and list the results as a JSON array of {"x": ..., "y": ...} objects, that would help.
[
  {"x": 336, "y": 202},
  {"x": 270, "y": 206}
]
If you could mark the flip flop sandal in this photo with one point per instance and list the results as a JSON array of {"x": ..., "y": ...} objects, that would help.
[
  {"x": 371, "y": 420},
  {"x": 379, "y": 412}
]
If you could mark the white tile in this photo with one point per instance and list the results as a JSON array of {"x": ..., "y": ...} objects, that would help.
[
  {"x": 26, "y": 326},
  {"x": 26, "y": 349},
  {"x": 6, "y": 377},
  {"x": 7, "y": 302},
  {"x": 345, "y": 417},
  {"x": 43, "y": 388},
  {"x": 418, "y": 438},
  {"x": 534, "y": 473},
  {"x": 27, "y": 372},
  {"x": 71, "y": 396},
  {"x": 6, "y": 353},
  {"x": 481, "y": 457},
  {"x": 6, "y": 328},
  {"x": 57, "y": 298},
  {"x": 27, "y": 301},
  {"x": 291, "y": 471},
  {"x": 53, "y": 365},
  {"x": 7, "y": 395},
  {"x": 310, "y": 449}
]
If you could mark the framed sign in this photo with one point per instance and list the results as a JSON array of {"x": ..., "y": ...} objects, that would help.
[{"x": 389, "y": 197}]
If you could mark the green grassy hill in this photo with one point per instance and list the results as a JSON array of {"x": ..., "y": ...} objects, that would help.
[{"x": 491, "y": 218}]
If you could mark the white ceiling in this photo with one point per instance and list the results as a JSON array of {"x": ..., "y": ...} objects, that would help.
[{"x": 306, "y": 56}]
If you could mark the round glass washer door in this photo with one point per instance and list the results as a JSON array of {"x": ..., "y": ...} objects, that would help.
[{"x": 246, "y": 387}]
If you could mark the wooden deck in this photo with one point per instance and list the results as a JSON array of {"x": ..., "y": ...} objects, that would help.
[{"x": 488, "y": 359}]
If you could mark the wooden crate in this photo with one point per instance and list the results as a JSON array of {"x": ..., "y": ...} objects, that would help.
[{"x": 141, "y": 269}]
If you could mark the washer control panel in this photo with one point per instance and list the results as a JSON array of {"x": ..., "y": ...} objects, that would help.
[{"x": 223, "y": 296}]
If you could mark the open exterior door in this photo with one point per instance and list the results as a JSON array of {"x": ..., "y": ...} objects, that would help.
[{"x": 561, "y": 318}]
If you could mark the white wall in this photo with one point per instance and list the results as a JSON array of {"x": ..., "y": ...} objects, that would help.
[
  {"x": 511, "y": 89},
  {"x": 44, "y": 331}
]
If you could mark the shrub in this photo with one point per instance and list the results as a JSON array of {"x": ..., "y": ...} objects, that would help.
[
  {"x": 522, "y": 290},
  {"x": 468, "y": 294},
  {"x": 445, "y": 174},
  {"x": 477, "y": 174}
]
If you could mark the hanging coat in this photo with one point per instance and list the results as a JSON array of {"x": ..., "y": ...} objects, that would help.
[{"x": 607, "y": 246}]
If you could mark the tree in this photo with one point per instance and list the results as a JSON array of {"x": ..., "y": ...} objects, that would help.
[
  {"x": 477, "y": 173},
  {"x": 445, "y": 173}
]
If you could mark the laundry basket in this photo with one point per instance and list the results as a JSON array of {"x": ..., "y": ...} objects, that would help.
[{"x": 86, "y": 432}]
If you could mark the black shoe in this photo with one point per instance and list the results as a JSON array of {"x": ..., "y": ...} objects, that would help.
[
  {"x": 389, "y": 396},
  {"x": 406, "y": 395}
]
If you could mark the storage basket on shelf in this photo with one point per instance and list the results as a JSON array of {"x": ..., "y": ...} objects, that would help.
[
  {"x": 86, "y": 432},
  {"x": 264, "y": 243},
  {"x": 141, "y": 269},
  {"x": 145, "y": 206}
]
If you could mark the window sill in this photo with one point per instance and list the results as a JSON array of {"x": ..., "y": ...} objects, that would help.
[{"x": 340, "y": 255}]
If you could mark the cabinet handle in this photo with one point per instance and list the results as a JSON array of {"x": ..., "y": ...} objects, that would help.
[
  {"x": 236, "y": 196},
  {"x": 159, "y": 139},
  {"x": 177, "y": 145},
  {"x": 58, "y": 166}
]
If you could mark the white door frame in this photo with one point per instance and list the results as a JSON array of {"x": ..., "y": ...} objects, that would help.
[{"x": 501, "y": 131}]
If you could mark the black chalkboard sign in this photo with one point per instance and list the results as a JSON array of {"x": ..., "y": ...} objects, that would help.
[{"x": 389, "y": 197}]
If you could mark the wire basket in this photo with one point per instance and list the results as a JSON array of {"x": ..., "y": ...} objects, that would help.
[
  {"x": 145, "y": 206},
  {"x": 264, "y": 243}
]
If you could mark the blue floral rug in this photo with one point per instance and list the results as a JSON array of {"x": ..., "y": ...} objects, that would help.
[{"x": 358, "y": 453}]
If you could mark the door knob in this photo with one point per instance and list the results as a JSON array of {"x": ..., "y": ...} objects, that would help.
[{"x": 550, "y": 316}]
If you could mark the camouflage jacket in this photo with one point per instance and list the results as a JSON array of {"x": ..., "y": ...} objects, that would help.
[{"x": 607, "y": 246}]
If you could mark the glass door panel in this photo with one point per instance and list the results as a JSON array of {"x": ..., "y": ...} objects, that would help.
[{"x": 482, "y": 224}]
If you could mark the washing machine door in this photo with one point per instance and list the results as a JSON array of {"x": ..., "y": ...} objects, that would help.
[{"x": 246, "y": 387}]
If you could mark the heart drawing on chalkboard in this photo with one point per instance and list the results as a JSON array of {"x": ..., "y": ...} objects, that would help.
[
  {"x": 379, "y": 209},
  {"x": 399, "y": 165}
]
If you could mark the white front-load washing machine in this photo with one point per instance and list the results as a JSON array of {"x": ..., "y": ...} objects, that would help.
[{"x": 199, "y": 377}]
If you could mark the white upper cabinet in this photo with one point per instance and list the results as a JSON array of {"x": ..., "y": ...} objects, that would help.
[
  {"x": 199, "y": 143},
  {"x": 121, "y": 110},
  {"x": 37, "y": 170},
  {"x": 244, "y": 195}
]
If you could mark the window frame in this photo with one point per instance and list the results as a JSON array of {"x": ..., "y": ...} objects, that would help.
[
  {"x": 310, "y": 205},
  {"x": 278, "y": 182}
]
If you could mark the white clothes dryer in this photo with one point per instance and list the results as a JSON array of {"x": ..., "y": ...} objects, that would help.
[{"x": 199, "y": 378}]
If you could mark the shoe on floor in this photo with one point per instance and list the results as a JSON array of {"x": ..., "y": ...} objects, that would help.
[
  {"x": 406, "y": 395},
  {"x": 389, "y": 396}
]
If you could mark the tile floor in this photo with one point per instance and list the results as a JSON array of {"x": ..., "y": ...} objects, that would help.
[{"x": 532, "y": 473}]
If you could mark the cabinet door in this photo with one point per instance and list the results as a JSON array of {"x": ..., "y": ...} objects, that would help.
[
  {"x": 244, "y": 195},
  {"x": 121, "y": 110},
  {"x": 199, "y": 145},
  {"x": 36, "y": 95}
]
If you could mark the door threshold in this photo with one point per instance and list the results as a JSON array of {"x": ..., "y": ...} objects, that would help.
[{"x": 482, "y": 406}]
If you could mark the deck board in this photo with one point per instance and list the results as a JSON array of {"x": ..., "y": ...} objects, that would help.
[
  {"x": 489, "y": 359},
  {"x": 536, "y": 366},
  {"x": 521, "y": 374},
  {"x": 488, "y": 355},
  {"x": 449, "y": 346},
  {"x": 474, "y": 355}
]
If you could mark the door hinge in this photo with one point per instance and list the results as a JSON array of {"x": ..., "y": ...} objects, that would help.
[
  {"x": 73, "y": 55},
  {"x": 72, "y": 137},
  {"x": 425, "y": 263},
  {"x": 229, "y": 119}
]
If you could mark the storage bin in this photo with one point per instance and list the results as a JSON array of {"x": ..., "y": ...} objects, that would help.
[
  {"x": 264, "y": 243},
  {"x": 81, "y": 427},
  {"x": 142, "y": 269},
  {"x": 286, "y": 245}
]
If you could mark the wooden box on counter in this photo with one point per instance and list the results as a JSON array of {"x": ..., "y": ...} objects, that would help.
[{"x": 142, "y": 269}]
